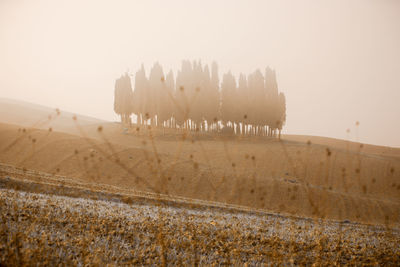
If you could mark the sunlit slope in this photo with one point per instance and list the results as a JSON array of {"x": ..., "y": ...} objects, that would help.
[
  {"x": 291, "y": 177},
  {"x": 38, "y": 116},
  {"x": 345, "y": 145}
]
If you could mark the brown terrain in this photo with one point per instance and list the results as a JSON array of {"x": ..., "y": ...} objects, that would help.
[
  {"x": 325, "y": 177},
  {"x": 298, "y": 177}
]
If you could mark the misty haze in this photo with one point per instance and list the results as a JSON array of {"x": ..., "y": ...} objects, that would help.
[{"x": 199, "y": 133}]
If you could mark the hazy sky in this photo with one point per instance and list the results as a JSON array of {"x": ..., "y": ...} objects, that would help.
[{"x": 338, "y": 62}]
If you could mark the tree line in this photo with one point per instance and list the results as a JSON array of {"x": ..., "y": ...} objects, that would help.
[{"x": 197, "y": 100}]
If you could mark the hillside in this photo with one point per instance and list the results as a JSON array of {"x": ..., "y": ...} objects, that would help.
[
  {"x": 299, "y": 175},
  {"x": 346, "y": 145},
  {"x": 27, "y": 114},
  {"x": 280, "y": 176},
  {"x": 53, "y": 220},
  {"x": 92, "y": 191}
]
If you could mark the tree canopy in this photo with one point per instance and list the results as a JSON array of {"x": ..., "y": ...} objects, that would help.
[{"x": 195, "y": 99}]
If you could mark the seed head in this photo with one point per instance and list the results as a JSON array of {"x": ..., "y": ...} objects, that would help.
[
  {"x": 328, "y": 152},
  {"x": 364, "y": 188}
]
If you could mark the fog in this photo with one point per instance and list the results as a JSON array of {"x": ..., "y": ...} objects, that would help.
[{"x": 337, "y": 62}]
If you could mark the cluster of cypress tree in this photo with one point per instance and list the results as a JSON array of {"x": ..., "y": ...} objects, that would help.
[{"x": 196, "y": 100}]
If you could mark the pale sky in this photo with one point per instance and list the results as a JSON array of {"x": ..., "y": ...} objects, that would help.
[{"x": 337, "y": 61}]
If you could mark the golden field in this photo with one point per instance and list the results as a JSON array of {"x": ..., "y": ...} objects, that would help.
[{"x": 226, "y": 199}]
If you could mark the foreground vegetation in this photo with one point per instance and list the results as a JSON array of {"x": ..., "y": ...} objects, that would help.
[
  {"x": 52, "y": 229},
  {"x": 162, "y": 196}
]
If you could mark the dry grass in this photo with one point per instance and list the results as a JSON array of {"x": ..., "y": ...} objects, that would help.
[
  {"x": 263, "y": 173},
  {"x": 52, "y": 229},
  {"x": 218, "y": 195}
]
